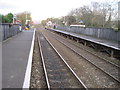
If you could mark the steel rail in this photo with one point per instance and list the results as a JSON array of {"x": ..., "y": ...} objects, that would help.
[
  {"x": 66, "y": 63},
  {"x": 43, "y": 62},
  {"x": 89, "y": 61},
  {"x": 93, "y": 54}
]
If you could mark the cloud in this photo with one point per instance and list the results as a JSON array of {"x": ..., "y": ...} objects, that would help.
[
  {"x": 41, "y": 9},
  {"x": 7, "y": 6}
]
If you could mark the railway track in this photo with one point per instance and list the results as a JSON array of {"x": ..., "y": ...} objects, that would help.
[
  {"x": 108, "y": 68},
  {"x": 102, "y": 58},
  {"x": 58, "y": 73},
  {"x": 94, "y": 54}
]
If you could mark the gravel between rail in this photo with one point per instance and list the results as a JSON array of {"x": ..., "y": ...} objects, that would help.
[
  {"x": 101, "y": 63},
  {"x": 58, "y": 74},
  {"x": 91, "y": 76},
  {"x": 37, "y": 74}
]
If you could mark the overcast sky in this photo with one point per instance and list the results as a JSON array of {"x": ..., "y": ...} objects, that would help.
[{"x": 42, "y": 9}]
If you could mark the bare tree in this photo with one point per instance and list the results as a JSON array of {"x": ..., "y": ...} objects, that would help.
[
  {"x": 22, "y": 17},
  {"x": 96, "y": 15}
]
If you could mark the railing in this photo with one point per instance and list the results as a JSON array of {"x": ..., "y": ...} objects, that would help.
[
  {"x": 8, "y": 30},
  {"x": 103, "y": 33}
]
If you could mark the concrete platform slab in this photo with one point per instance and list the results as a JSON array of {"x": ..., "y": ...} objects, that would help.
[{"x": 15, "y": 54}]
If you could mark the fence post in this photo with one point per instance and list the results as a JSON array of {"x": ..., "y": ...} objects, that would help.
[{"x": 98, "y": 33}]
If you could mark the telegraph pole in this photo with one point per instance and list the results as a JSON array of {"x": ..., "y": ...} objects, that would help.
[
  {"x": 119, "y": 15},
  {"x": 14, "y": 17},
  {"x": 26, "y": 17}
]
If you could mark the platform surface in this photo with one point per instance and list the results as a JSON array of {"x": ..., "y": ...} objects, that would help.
[
  {"x": 15, "y": 53},
  {"x": 107, "y": 43}
]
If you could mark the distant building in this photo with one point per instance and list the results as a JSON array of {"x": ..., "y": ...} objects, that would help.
[{"x": 49, "y": 23}]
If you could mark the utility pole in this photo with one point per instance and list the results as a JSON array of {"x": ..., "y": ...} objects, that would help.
[
  {"x": 14, "y": 18},
  {"x": 110, "y": 16},
  {"x": 103, "y": 15},
  {"x": 119, "y": 15},
  {"x": 26, "y": 17}
]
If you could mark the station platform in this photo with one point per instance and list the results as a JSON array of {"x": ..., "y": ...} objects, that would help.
[
  {"x": 111, "y": 44},
  {"x": 15, "y": 58},
  {"x": 112, "y": 48}
]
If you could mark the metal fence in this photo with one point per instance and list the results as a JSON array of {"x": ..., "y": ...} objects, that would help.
[
  {"x": 8, "y": 30},
  {"x": 103, "y": 33},
  {"x": 0, "y": 33}
]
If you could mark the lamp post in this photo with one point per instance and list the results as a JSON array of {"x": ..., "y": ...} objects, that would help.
[
  {"x": 26, "y": 17},
  {"x": 14, "y": 18},
  {"x": 119, "y": 15}
]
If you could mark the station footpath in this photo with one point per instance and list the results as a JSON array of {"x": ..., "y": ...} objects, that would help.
[{"x": 16, "y": 59}]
